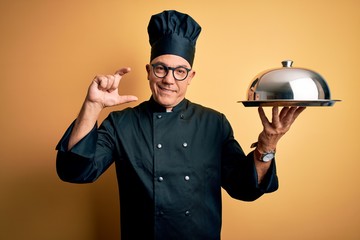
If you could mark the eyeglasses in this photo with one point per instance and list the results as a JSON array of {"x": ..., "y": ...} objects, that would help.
[{"x": 179, "y": 73}]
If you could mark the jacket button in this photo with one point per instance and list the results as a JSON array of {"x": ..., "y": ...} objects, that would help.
[
  {"x": 159, "y": 116},
  {"x": 159, "y": 146},
  {"x": 187, "y": 178},
  {"x": 185, "y": 144},
  {"x": 182, "y": 116},
  {"x": 187, "y": 213},
  {"x": 160, "y": 179}
]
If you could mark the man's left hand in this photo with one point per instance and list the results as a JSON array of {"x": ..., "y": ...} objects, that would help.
[{"x": 278, "y": 126}]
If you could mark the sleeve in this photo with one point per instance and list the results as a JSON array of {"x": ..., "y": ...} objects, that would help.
[
  {"x": 239, "y": 176},
  {"x": 86, "y": 161}
]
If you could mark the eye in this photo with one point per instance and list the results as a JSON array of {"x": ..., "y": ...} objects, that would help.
[
  {"x": 180, "y": 70},
  {"x": 160, "y": 68}
]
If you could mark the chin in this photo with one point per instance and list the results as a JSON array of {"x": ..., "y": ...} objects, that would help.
[
  {"x": 166, "y": 101},
  {"x": 167, "y": 104}
]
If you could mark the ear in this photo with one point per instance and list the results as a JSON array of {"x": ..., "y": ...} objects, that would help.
[
  {"x": 190, "y": 77},
  {"x": 148, "y": 71}
]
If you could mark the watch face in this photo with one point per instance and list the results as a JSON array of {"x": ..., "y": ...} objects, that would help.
[{"x": 267, "y": 157}]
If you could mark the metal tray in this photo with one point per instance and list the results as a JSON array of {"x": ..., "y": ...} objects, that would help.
[{"x": 290, "y": 103}]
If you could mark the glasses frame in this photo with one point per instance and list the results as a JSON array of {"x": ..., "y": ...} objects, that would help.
[{"x": 173, "y": 71}]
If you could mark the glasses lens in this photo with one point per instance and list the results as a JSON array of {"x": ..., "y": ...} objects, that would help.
[
  {"x": 160, "y": 71},
  {"x": 180, "y": 73}
]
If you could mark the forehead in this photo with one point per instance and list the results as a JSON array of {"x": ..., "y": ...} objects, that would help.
[{"x": 171, "y": 60}]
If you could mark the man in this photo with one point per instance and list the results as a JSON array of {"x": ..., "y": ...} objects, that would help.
[{"x": 172, "y": 156}]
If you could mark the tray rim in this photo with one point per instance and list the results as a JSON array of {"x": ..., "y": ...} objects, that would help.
[{"x": 298, "y": 103}]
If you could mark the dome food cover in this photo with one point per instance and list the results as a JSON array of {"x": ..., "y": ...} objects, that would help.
[{"x": 288, "y": 86}]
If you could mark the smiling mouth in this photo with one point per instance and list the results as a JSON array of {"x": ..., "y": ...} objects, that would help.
[{"x": 166, "y": 89}]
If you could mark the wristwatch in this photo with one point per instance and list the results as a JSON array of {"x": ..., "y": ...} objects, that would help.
[{"x": 266, "y": 156}]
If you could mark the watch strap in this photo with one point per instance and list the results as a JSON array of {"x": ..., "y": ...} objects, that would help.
[{"x": 264, "y": 156}]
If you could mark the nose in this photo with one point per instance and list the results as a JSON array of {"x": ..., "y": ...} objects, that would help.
[{"x": 169, "y": 78}]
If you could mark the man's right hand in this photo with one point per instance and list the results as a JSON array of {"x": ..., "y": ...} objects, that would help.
[{"x": 103, "y": 90}]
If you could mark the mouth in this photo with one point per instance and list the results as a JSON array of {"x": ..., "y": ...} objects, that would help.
[{"x": 166, "y": 90}]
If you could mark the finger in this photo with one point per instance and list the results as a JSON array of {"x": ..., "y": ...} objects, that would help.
[
  {"x": 283, "y": 112},
  {"x": 115, "y": 83},
  {"x": 117, "y": 77},
  {"x": 298, "y": 111},
  {"x": 101, "y": 81},
  {"x": 290, "y": 113},
  {"x": 264, "y": 120},
  {"x": 123, "y": 71},
  {"x": 275, "y": 116},
  {"x": 110, "y": 81},
  {"x": 97, "y": 79}
]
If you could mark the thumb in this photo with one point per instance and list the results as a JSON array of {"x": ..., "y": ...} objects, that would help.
[{"x": 126, "y": 99}]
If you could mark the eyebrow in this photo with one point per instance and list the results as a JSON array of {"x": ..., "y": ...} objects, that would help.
[{"x": 159, "y": 62}]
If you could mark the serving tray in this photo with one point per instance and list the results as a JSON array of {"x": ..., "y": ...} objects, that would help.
[{"x": 290, "y": 103}]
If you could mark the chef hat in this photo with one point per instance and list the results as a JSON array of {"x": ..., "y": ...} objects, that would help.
[{"x": 172, "y": 32}]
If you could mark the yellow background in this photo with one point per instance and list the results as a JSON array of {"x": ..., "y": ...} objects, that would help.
[{"x": 51, "y": 50}]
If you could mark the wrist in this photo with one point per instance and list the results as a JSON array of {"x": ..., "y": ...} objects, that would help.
[
  {"x": 92, "y": 108},
  {"x": 267, "y": 142},
  {"x": 263, "y": 148},
  {"x": 263, "y": 155},
  {"x": 89, "y": 113}
]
